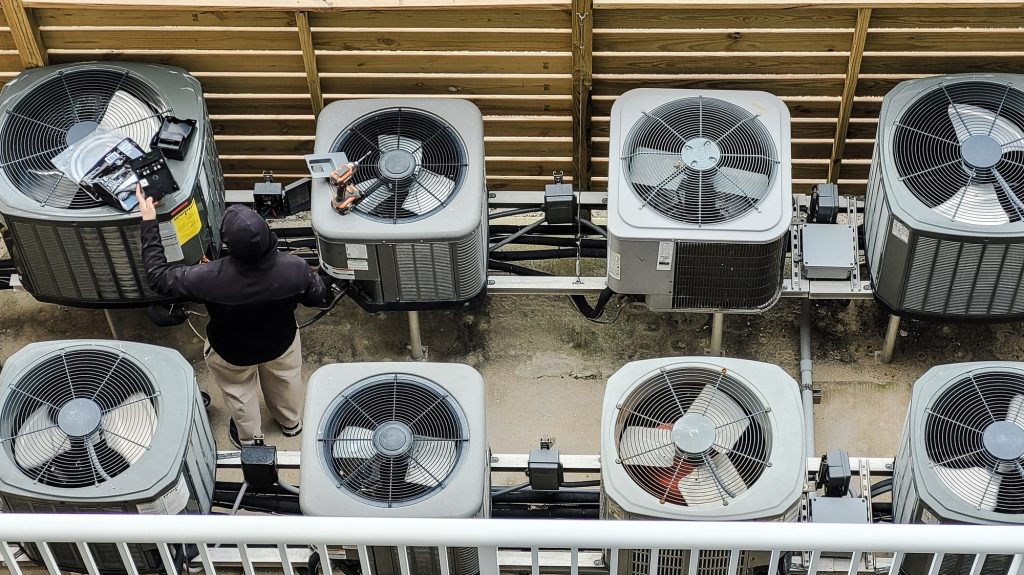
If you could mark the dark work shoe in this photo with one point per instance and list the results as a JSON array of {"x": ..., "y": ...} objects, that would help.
[{"x": 291, "y": 431}]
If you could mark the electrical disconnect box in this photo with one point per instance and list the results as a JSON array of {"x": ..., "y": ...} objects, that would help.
[{"x": 828, "y": 251}]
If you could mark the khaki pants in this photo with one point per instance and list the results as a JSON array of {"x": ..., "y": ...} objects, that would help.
[{"x": 280, "y": 380}]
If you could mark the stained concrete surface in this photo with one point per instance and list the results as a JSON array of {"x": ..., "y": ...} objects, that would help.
[{"x": 546, "y": 367}]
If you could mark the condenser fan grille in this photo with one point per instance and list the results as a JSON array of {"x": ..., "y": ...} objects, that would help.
[
  {"x": 700, "y": 160},
  {"x": 79, "y": 417},
  {"x": 693, "y": 437},
  {"x": 959, "y": 149},
  {"x": 414, "y": 163},
  {"x": 974, "y": 438},
  {"x": 63, "y": 109},
  {"x": 394, "y": 441}
]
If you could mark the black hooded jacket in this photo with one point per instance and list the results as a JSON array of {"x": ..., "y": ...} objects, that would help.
[{"x": 251, "y": 295}]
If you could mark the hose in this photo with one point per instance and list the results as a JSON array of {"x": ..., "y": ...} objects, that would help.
[
  {"x": 325, "y": 310},
  {"x": 562, "y": 242},
  {"x": 288, "y": 487},
  {"x": 501, "y": 492},
  {"x": 590, "y": 483},
  {"x": 882, "y": 487},
  {"x": 581, "y": 303},
  {"x": 594, "y": 227},
  {"x": 521, "y": 232},
  {"x": 549, "y": 254}
]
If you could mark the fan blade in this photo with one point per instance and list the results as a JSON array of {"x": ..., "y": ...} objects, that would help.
[
  {"x": 381, "y": 192},
  {"x": 39, "y": 440},
  {"x": 727, "y": 415},
  {"x": 386, "y": 142},
  {"x": 354, "y": 443},
  {"x": 696, "y": 486},
  {"x": 428, "y": 191},
  {"x": 977, "y": 204},
  {"x": 752, "y": 186},
  {"x": 1015, "y": 412},
  {"x": 971, "y": 120},
  {"x": 966, "y": 482},
  {"x": 128, "y": 428},
  {"x": 430, "y": 462},
  {"x": 647, "y": 446},
  {"x": 656, "y": 168},
  {"x": 132, "y": 117}
]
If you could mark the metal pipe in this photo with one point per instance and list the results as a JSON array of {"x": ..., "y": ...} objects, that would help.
[
  {"x": 415, "y": 341},
  {"x": 889, "y": 345},
  {"x": 806, "y": 381},
  {"x": 517, "y": 234},
  {"x": 717, "y": 327},
  {"x": 561, "y": 534}
]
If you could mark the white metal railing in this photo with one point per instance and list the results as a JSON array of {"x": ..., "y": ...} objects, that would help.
[{"x": 577, "y": 538}]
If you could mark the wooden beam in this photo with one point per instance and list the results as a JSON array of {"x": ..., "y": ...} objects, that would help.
[
  {"x": 860, "y": 35},
  {"x": 316, "y": 95},
  {"x": 582, "y": 79},
  {"x": 25, "y": 33}
]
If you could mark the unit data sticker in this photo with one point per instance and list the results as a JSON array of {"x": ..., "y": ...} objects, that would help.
[
  {"x": 171, "y": 503},
  {"x": 340, "y": 273},
  {"x": 169, "y": 238},
  {"x": 361, "y": 265},
  {"x": 615, "y": 265},
  {"x": 665, "y": 252},
  {"x": 187, "y": 223},
  {"x": 900, "y": 231},
  {"x": 355, "y": 251}
]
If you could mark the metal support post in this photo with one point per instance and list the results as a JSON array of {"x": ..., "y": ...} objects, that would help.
[
  {"x": 717, "y": 326},
  {"x": 889, "y": 346},
  {"x": 415, "y": 341}
]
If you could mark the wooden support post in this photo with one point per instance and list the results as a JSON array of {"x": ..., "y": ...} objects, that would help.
[
  {"x": 860, "y": 34},
  {"x": 316, "y": 96},
  {"x": 582, "y": 79},
  {"x": 25, "y": 33}
]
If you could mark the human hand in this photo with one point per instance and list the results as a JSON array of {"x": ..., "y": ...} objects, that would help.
[{"x": 146, "y": 206}]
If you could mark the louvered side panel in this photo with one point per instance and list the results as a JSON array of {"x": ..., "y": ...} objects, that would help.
[
  {"x": 990, "y": 270},
  {"x": 921, "y": 265},
  {"x": 471, "y": 265},
  {"x": 737, "y": 277},
  {"x": 940, "y": 283},
  {"x": 425, "y": 272}
]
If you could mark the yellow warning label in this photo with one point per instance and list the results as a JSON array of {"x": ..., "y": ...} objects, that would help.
[{"x": 187, "y": 223}]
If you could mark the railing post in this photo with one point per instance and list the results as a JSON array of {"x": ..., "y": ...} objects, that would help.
[
  {"x": 316, "y": 95},
  {"x": 582, "y": 22},
  {"x": 25, "y": 34},
  {"x": 488, "y": 557}
]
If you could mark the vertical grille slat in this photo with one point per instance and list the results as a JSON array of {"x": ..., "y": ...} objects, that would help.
[
  {"x": 441, "y": 271},
  {"x": 738, "y": 277}
]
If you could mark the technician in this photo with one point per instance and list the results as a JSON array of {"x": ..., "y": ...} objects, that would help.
[{"x": 251, "y": 296}]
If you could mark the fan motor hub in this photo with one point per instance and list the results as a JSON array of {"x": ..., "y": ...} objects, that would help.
[
  {"x": 1004, "y": 440},
  {"x": 397, "y": 164},
  {"x": 79, "y": 131},
  {"x": 701, "y": 154},
  {"x": 79, "y": 417},
  {"x": 981, "y": 151},
  {"x": 694, "y": 433},
  {"x": 393, "y": 439}
]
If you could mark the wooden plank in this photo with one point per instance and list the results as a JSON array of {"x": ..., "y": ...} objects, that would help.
[
  {"x": 306, "y": 5},
  {"x": 257, "y": 104},
  {"x": 790, "y": 85},
  {"x": 253, "y": 82},
  {"x": 537, "y": 104},
  {"x": 582, "y": 82},
  {"x": 799, "y": 106},
  {"x": 77, "y": 16},
  {"x": 860, "y": 34},
  {"x": 316, "y": 96},
  {"x": 942, "y": 62},
  {"x": 461, "y": 84},
  {"x": 10, "y": 61},
  {"x": 498, "y": 39},
  {"x": 190, "y": 38},
  {"x": 243, "y": 125},
  {"x": 947, "y": 18},
  {"x": 964, "y": 40},
  {"x": 880, "y": 85},
  {"x": 711, "y": 17},
  {"x": 716, "y": 62},
  {"x": 193, "y": 60},
  {"x": 516, "y": 183},
  {"x": 497, "y": 16},
  {"x": 268, "y": 145},
  {"x": 528, "y": 126},
  {"x": 722, "y": 40},
  {"x": 442, "y": 61},
  {"x": 498, "y": 146},
  {"x": 25, "y": 34}
]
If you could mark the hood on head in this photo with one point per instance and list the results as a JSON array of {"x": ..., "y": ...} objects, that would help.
[{"x": 247, "y": 235}]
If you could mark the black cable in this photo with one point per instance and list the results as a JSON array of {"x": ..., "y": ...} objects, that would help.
[
  {"x": 882, "y": 487},
  {"x": 555, "y": 254},
  {"x": 596, "y": 228},
  {"x": 515, "y": 212},
  {"x": 590, "y": 483},
  {"x": 326, "y": 310},
  {"x": 521, "y": 232},
  {"x": 501, "y": 492},
  {"x": 513, "y": 269},
  {"x": 581, "y": 303}
]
